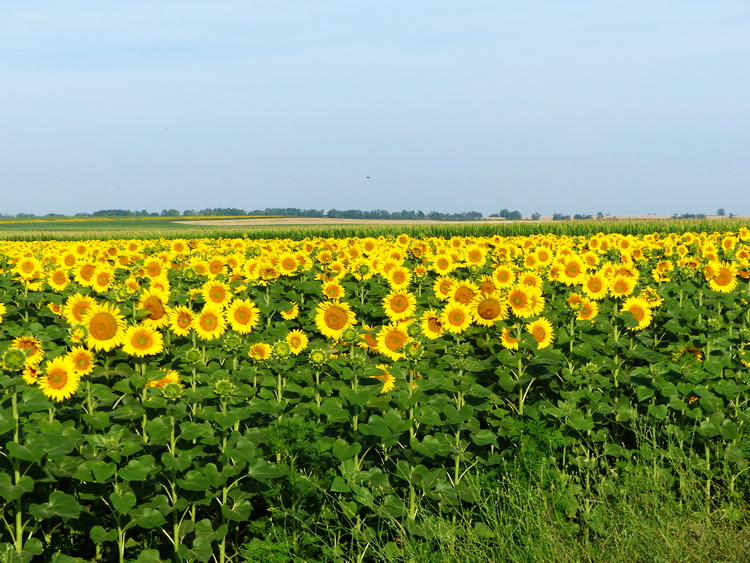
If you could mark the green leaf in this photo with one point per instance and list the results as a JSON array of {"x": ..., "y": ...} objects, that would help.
[
  {"x": 147, "y": 517},
  {"x": 339, "y": 485},
  {"x": 658, "y": 411},
  {"x": 60, "y": 504},
  {"x": 99, "y": 535},
  {"x": 11, "y": 492},
  {"x": 343, "y": 450},
  {"x": 239, "y": 512},
  {"x": 263, "y": 470},
  {"x": 30, "y": 452},
  {"x": 138, "y": 469},
  {"x": 123, "y": 502},
  {"x": 581, "y": 422},
  {"x": 484, "y": 437},
  {"x": 228, "y": 419},
  {"x": 158, "y": 429},
  {"x": 642, "y": 393},
  {"x": 194, "y": 481}
]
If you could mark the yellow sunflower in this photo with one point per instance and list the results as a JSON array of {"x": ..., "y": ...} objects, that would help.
[
  {"x": 210, "y": 323},
  {"x": 391, "y": 339},
  {"x": 243, "y": 315},
  {"x": 507, "y": 339},
  {"x": 83, "y": 360},
  {"x": 333, "y": 317},
  {"x": 216, "y": 292},
  {"x": 622, "y": 286},
  {"x": 260, "y": 351},
  {"x": 142, "y": 340},
  {"x": 595, "y": 286},
  {"x": 104, "y": 325},
  {"x": 152, "y": 307},
  {"x": 291, "y": 313},
  {"x": 724, "y": 279},
  {"x": 456, "y": 317},
  {"x": 181, "y": 320},
  {"x": 432, "y": 327},
  {"x": 171, "y": 376},
  {"x": 587, "y": 310},
  {"x": 399, "y": 304},
  {"x": 488, "y": 308},
  {"x": 60, "y": 379},
  {"x": 541, "y": 330},
  {"x": 640, "y": 310},
  {"x": 297, "y": 341},
  {"x": 76, "y": 307},
  {"x": 31, "y": 346},
  {"x": 388, "y": 379}
]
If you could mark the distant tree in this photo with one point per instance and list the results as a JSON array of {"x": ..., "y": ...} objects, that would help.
[
  {"x": 580, "y": 216},
  {"x": 721, "y": 212},
  {"x": 599, "y": 215},
  {"x": 170, "y": 213},
  {"x": 560, "y": 217},
  {"x": 535, "y": 216}
]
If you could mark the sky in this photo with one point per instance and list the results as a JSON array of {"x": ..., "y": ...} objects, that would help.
[{"x": 583, "y": 106}]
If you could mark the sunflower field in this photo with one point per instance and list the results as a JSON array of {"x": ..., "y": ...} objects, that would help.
[{"x": 176, "y": 399}]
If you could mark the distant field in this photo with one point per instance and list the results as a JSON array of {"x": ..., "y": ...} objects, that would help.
[{"x": 300, "y": 227}]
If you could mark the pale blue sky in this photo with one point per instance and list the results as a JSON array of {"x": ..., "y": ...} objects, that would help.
[{"x": 578, "y": 106}]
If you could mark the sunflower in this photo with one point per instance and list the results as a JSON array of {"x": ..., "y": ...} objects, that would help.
[
  {"x": 504, "y": 276},
  {"x": 464, "y": 292},
  {"x": 181, "y": 320},
  {"x": 291, "y": 313},
  {"x": 456, "y": 317},
  {"x": 82, "y": 359},
  {"x": 216, "y": 292},
  {"x": 60, "y": 379},
  {"x": 443, "y": 287},
  {"x": 152, "y": 308},
  {"x": 622, "y": 286},
  {"x": 640, "y": 311},
  {"x": 388, "y": 379},
  {"x": 541, "y": 330},
  {"x": 3, "y": 310},
  {"x": 488, "y": 308},
  {"x": 76, "y": 307},
  {"x": 260, "y": 351},
  {"x": 507, "y": 339},
  {"x": 243, "y": 315},
  {"x": 595, "y": 286},
  {"x": 31, "y": 346},
  {"x": 333, "y": 290},
  {"x": 31, "y": 374},
  {"x": 103, "y": 278},
  {"x": 399, "y": 304},
  {"x": 399, "y": 277},
  {"x": 573, "y": 270},
  {"x": 210, "y": 322},
  {"x": 58, "y": 279},
  {"x": 587, "y": 310},
  {"x": 525, "y": 301},
  {"x": 84, "y": 274},
  {"x": 333, "y": 317},
  {"x": 432, "y": 328},
  {"x": 142, "y": 340},
  {"x": 391, "y": 339},
  {"x": 297, "y": 341},
  {"x": 105, "y": 326},
  {"x": 171, "y": 376},
  {"x": 367, "y": 340},
  {"x": 725, "y": 278}
]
